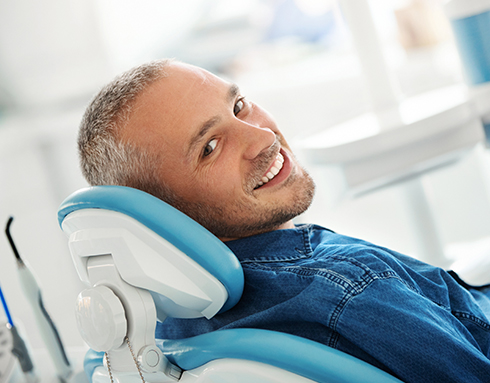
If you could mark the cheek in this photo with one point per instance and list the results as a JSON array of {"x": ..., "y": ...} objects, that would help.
[{"x": 221, "y": 181}]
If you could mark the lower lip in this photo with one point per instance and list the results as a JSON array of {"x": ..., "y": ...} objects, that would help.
[{"x": 284, "y": 173}]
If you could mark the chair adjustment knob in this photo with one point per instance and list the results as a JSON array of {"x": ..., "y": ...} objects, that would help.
[
  {"x": 151, "y": 359},
  {"x": 100, "y": 318}
]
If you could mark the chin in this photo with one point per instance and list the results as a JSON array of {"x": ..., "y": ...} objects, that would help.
[
  {"x": 270, "y": 216},
  {"x": 239, "y": 219}
]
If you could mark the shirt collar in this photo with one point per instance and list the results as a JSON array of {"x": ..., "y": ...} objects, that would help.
[{"x": 274, "y": 246}]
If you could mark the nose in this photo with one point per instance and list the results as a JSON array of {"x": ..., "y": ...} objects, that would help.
[{"x": 255, "y": 140}]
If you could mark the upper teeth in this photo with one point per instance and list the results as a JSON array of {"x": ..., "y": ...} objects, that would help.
[{"x": 274, "y": 170}]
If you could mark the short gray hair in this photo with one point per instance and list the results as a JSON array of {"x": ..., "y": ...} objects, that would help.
[{"x": 104, "y": 159}]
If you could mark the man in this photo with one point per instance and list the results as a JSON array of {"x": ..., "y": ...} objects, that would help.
[
  {"x": 215, "y": 152},
  {"x": 191, "y": 139}
]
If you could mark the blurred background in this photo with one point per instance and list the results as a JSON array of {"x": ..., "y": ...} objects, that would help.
[{"x": 296, "y": 58}]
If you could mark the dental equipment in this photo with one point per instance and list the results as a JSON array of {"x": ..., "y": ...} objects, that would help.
[
  {"x": 48, "y": 330},
  {"x": 19, "y": 348},
  {"x": 8, "y": 361}
]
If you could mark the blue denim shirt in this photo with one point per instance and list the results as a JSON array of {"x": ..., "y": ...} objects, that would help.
[{"x": 411, "y": 319}]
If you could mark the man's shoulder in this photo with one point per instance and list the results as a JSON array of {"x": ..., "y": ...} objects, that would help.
[
  {"x": 315, "y": 249},
  {"x": 349, "y": 253},
  {"x": 313, "y": 252}
]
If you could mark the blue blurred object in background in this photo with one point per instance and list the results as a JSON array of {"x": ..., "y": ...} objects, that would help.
[{"x": 291, "y": 20}]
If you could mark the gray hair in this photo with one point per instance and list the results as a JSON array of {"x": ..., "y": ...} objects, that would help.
[{"x": 104, "y": 159}]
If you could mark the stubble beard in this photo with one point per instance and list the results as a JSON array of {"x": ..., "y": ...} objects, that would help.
[{"x": 244, "y": 219}]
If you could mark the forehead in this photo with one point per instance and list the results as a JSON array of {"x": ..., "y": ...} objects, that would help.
[{"x": 176, "y": 105}]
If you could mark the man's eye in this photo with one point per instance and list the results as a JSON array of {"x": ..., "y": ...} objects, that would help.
[
  {"x": 208, "y": 149},
  {"x": 238, "y": 106}
]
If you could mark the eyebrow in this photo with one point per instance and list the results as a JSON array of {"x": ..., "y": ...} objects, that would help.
[{"x": 232, "y": 93}]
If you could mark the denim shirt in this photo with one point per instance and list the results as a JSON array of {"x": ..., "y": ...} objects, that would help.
[{"x": 408, "y": 318}]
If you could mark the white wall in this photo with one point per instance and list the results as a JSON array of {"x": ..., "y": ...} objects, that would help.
[
  {"x": 38, "y": 168},
  {"x": 51, "y": 61},
  {"x": 50, "y": 51}
]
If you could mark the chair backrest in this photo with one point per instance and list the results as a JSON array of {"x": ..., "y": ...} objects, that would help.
[{"x": 169, "y": 254}]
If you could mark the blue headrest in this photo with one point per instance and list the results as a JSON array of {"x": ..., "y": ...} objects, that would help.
[{"x": 169, "y": 223}]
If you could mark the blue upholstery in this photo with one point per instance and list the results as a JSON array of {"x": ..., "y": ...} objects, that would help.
[
  {"x": 93, "y": 359},
  {"x": 291, "y": 353},
  {"x": 171, "y": 224}
]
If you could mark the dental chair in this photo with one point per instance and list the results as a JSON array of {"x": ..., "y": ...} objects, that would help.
[{"x": 141, "y": 260}]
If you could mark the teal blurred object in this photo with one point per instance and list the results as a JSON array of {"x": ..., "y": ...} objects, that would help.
[
  {"x": 470, "y": 21},
  {"x": 473, "y": 38}
]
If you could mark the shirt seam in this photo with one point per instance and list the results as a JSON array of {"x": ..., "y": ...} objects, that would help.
[
  {"x": 265, "y": 260},
  {"x": 340, "y": 280},
  {"x": 465, "y": 315}
]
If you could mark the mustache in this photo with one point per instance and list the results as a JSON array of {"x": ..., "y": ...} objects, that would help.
[{"x": 260, "y": 165}]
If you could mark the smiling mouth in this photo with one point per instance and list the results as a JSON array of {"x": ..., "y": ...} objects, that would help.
[{"x": 272, "y": 171}]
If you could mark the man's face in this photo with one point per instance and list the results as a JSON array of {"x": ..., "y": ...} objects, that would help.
[{"x": 221, "y": 154}]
